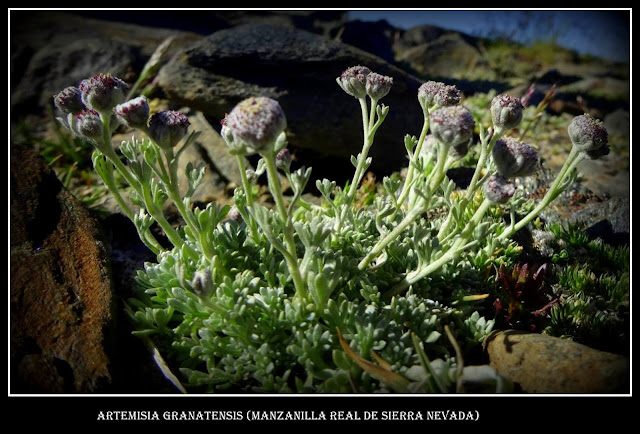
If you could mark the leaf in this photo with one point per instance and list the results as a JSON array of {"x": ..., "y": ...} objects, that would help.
[{"x": 396, "y": 381}]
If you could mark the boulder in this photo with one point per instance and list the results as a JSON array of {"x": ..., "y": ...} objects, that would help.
[
  {"x": 450, "y": 55},
  {"x": 299, "y": 70},
  {"x": 546, "y": 364},
  {"x": 54, "y": 50},
  {"x": 373, "y": 37},
  {"x": 60, "y": 297}
]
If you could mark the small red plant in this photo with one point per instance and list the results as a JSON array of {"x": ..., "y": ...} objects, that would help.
[{"x": 524, "y": 300}]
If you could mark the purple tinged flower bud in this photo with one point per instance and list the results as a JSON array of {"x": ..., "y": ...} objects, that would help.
[
  {"x": 452, "y": 125},
  {"x": 430, "y": 146},
  {"x": 354, "y": 81},
  {"x": 498, "y": 190},
  {"x": 69, "y": 100},
  {"x": 202, "y": 282},
  {"x": 587, "y": 133},
  {"x": 134, "y": 113},
  {"x": 167, "y": 128},
  {"x": 433, "y": 92},
  {"x": 459, "y": 151},
  {"x": 256, "y": 123},
  {"x": 103, "y": 92},
  {"x": 89, "y": 124},
  {"x": 514, "y": 158},
  {"x": 597, "y": 153},
  {"x": 283, "y": 159},
  {"x": 378, "y": 86},
  {"x": 506, "y": 112},
  {"x": 234, "y": 214}
]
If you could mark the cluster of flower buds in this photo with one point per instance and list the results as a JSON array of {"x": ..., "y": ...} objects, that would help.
[
  {"x": 452, "y": 125},
  {"x": 103, "y": 92},
  {"x": 68, "y": 101},
  {"x": 253, "y": 125},
  {"x": 167, "y": 128},
  {"x": 359, "y": 81},
  {"x": 433, "y": 93},
  {"x": 283, "y": 159},
  {"x": 134, "y": 113},
  {"x": 506, "y": 112},
  {"x": 514, "y": 158},
  {"x": 498, "y": 189},
  {"x": 103, "y": 95},
  {"x": 589, "y": 136}
]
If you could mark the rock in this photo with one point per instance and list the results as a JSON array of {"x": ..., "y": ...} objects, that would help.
[
  {"x": 299, "y": 70},
  {"x": 618, "y": 123},
  {"x": 420, "y": 35},
  {"x": 450, "y": 56},
  {"x": 69, "y": 48},
  {"x": 63, "y": 63},
  {"x": 546, "y": 364},
  {"x": 373, "y": 37},
  {"x": 61, "y": 301}
]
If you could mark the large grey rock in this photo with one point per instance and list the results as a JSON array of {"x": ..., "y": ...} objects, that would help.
[
  {"x": 299, "y": 70},
  {"x": 450, "y": 55},
  {"x": 54, "y": 50},
  {"x": 546, "y": 364}
]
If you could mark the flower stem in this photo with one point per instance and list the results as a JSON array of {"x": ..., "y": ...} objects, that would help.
[
  {"x": 357, "y": 176},
  {"x": 416, "y": 154},
  {"x": 246, "y": 185},
  {"x": 276, "y": 191},
  {"x": 572, "y": 161}
]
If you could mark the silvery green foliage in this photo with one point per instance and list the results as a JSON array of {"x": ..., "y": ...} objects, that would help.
[{"x": 265, "y": 299}]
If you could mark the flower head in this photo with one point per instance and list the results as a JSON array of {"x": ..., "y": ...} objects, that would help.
[
  {"x": 283, "y": 159},
  {"x": 167, "y": 128},
  {"x": 452, "y": 125},
  {"x": 498, "y": 189},
  {"x": 433, "y": 92},
  {"x": 103, "y": 92},
  {"x": 256, "y": 123},
  {"x": 202, "y": 282},
  {"x": 134, "y": 113},
  {"x": 587, "y": 133},
  {"x": 89, "y": 124},
  {"x": 506, "y": 112},
  {"x": 514, "y": 158},
  {"x": 354, "y": 81},
  {"x": 378, "y": 86},
  {"x": 69, "y": 100}
]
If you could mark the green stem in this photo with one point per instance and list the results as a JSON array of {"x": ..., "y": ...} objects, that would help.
[
  {"x": 461, "y": 244},
  {"x": 384, "y": 242},
  {"x": 248, "y": 192},
  {"x": 357, "y": 176},
  {"x": 173, "y": 192},
  {"x": 484, "y": 154},
  {"x": 439, "y": 172},
  {"x": 572, "y": 161},
  {"x": 154, "y": 212},
  {"x": 416, "y": 154},
  {"x": 276, "y": 191}
]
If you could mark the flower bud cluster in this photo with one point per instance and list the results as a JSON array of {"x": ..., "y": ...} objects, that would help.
[
  {"x": 589, "y": 136},
  {"x": 254, "y": 125},
  {"x": 452, "y": 125},
  {"x": 506, "y": 112},
  {"x": 359, "y": 81},
  {"x": 433, "y": 93}
]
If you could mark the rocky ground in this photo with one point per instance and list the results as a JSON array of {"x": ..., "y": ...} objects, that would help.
[{"x": 215, "y": 60}]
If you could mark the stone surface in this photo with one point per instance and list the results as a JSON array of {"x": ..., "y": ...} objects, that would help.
[
  {"x": 373, "y": 37},
  {"x": 450, "y": 55},
  {"x": 545, "y": 364},
  {"x": 67, "y": 49},
  {"x": 60, "y": 297},
  {"x": 299, "y": 70}
]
